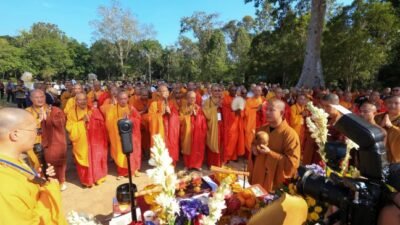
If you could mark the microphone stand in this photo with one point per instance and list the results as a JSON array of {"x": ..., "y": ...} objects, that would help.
[{"x": 131, "y": 191}]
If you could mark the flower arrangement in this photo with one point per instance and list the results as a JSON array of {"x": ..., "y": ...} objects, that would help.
[
  {"x": 317, "y": 123},
  {"x": 217, "y": 203},
  {"x": 74, "y": 218},
  {"x": 349, "y": 145},
  {"x": 164, "y": 175}
]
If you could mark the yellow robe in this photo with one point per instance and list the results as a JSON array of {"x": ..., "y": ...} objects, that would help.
[
  {"x": 210, "y": 111},
  {"x": 113, "y": 114},
  {"x": 25, "y": 203},
  {"x": 31, "y": 155},
  {"x": 76, "y": 128},
  {"x": 70, "y": 105}
]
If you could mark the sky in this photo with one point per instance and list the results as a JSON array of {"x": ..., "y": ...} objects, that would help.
[{"x": 74, "y": 16}]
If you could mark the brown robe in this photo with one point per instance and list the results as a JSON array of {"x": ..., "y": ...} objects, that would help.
[
  {"x": 270, "y": 170},
  {"x": 392, "y": 138}
]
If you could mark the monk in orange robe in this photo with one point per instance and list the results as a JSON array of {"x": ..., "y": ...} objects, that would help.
[
  {"x": 50, "y": 123},
  {"x": 142, "y": 103},
  {"x": 390, "y": 121},
  {"x": 253, "y": 112},
  {"x": 347, "y": 101},
  {"x": 375, "y": 99},
  {"x": 24, "y": 200},
  {"x": 297, "y": 116},
  {"x": 112, "y": 100},
  {"x": 215, "y": 127},
  {"x": 113, "y": 114},
  {"x": 66, "y": 94},
  {"x": 271, "y": 165},
  {"x": 87, "y": 132},
  {"x": 193, "y": 132},
  {"x": 192, "y": 87},
  {"x": 77, "y": 88},
  {"x": 95, "y": 94},
  {"x": 233, "y": 127},
  {"x": 164, "y": 120}
]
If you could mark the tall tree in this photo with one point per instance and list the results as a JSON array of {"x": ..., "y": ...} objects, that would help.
[
  {"x": 104, "y": 62},
  {"x": 10, "y": 57},
  {"x": 119, "y": 27}
]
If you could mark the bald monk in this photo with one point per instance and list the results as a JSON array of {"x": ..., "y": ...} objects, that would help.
[
  {"x": 253, "y": 113},
  {"x": 347, "y": 100},
  {"x": 193, "y": 132},
  {"x": 192, "y": 87},
  {"x": 297, "y": 116},
  {"x": 66, "y": 94},
  {"x": 122, "y": 110},
  {"x": 233, "y": 126},
  {"x": 333, "y": 116},
  {"x": 368, "y": 112},
  {"x": 164, "y": 120},
  {"x": 89, "y": 142},
  {"x": 112, "y": 100},
  {"x": 95, "y": 94},
  {"x": 50, "y": 122},
  {"x": 215, "y": 127},
  {"x": 24, "y": 197},
  {"x": 141, "y": 103},
  {"x": 390, "y": 121},
  {"x": 77, "y": 88},
  {"x": 279, "y": 94},
  {"x": 270, "y": 165}
]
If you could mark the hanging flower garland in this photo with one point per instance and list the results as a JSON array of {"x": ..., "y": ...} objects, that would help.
[
  {"x": 164, "y": 175},
  {"x": 317, "y": 123}
]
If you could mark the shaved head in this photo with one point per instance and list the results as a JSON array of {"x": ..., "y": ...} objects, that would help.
[
  {"x": 123, "y": 98},
  {"x": 275, "y": 112},
  {"x": 332, "y": 99},
  {"x": 368, "y": 111},
  {"x": 17, "y": 131}
]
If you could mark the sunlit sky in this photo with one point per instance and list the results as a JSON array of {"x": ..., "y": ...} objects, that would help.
[{"x": 73, "y": 16}]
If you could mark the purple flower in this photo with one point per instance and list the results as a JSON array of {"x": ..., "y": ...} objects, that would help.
[{"x": 316, "y": 169}]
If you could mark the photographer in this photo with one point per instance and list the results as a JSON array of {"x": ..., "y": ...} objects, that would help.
[{"x": 25, "y": 198}]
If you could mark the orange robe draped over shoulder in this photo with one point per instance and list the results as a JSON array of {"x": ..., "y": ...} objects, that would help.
[
  {"x": 297, "y": 121},
  {"x": 165, "y": 125},
  {"x": 142, "y": 107},
  {"x": 193, "y": 129},
  {"x": 250, "y": 120},
  {"x": 271, "y": 169},
  {"x": 115, "y": 113},
  {"x": 233, "y": 131}
]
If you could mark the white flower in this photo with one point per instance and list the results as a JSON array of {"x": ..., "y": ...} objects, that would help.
[
  {"x": 317, "y": 123},
  {"x": 74, "y": 218}
]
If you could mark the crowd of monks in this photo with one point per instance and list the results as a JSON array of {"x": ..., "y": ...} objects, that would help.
[{"x": 199, "y": 124}]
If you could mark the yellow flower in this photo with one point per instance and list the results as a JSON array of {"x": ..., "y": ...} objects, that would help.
[
  {"x": 318, "y": 209},
  {"x": 311, "y": 201},
  {"x": 314, "y": 216}
]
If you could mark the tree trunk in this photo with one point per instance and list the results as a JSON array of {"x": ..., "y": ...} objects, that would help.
[{"x": 311, "y": 74}]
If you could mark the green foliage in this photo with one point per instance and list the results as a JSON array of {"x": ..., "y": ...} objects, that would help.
[
  {"x": 10, "y": 57},
  {"x": 358, "y": 42}
]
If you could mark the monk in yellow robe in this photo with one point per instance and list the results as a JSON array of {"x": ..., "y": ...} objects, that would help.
[
  {"x": 25, "y": 198},
  {"x": 233, "y": 127},
  {"x": 215, "y": 127},
  {"x": 141, "y": 103},
  {"x": 347, "y": 100},
  {"x": 297, "y": 116},
  {"x": 50, "y": 123},
  {"x": 253, "y": 111},
  {"x": 193, "y": 132},
  {"x": 71, "y": 101},
  {"x": 66, "y": 94},
  {"x": 390, "y": 121},
  {"x": 88, "y": 135},
  {"x": 109, "y": 102},
  {"x": 116, "y": 112},
  {"x": 95, "y": 94},
  {"x": 271, "y": 165},
  {"x": 164, "y": 120}
]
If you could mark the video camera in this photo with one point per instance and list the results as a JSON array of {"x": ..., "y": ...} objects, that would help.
[{"x": 359, "y": 199}]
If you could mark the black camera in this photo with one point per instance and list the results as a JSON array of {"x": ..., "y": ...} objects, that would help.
[
  {"x": 39, "y": 152},
  {"x": 125, "y": 128},
  {"x": 359, "y": 200}
]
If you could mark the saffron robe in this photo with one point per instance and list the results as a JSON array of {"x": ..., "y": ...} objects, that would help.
[
  {"x": 297, "y": 121},
  {"x": 271, "y": 169},
  {"x": 23, "y": 202},
  {"x": 89, "y": 144},
  {"x": 94, "y": 96},
  {"x": 115, "y": 113},
  {"x": 250, "y": 121},
  {"x": 53, "y": 139},
  {"x": 167, "y": 126},
  {"x": 215, "y": 133},
  {"x": 234, "y": 131},
  {"x": 392, "y": 138},
  {"x": 193, "y": 130},
  {"x": 64, "y": 98},
  {"x": 142, "y": 107}
]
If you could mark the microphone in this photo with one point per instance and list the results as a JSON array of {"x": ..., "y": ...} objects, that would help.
[
  {"x": 125, "y": 132},
  {"x": 39, "y": 152}
]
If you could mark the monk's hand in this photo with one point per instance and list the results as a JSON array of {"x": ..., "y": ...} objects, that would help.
[
  {"x": 386, "y": 123},
  {"x": 50, "y": 172},
  {"x": 264, "y": 149},
  {"x": 86, "y": 118},
  {"x": 167, "y": 110}
]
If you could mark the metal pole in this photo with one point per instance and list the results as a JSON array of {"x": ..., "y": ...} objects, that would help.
[{"x": 131, "y": 192}]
